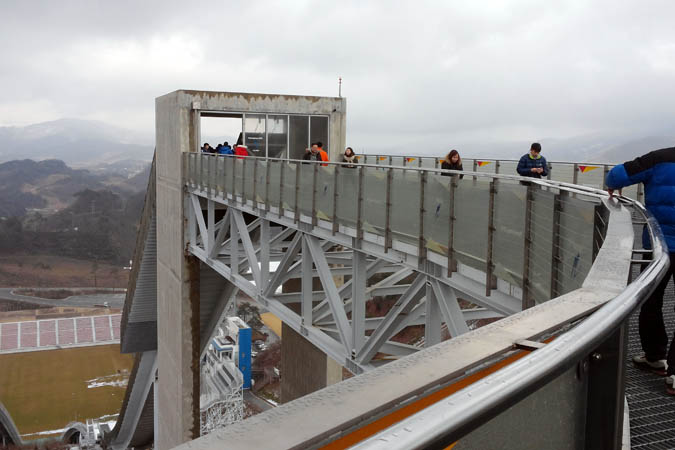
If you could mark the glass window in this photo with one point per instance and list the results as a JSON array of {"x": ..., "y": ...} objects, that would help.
[
  {"x": 299, "y": 136},
  {"x": 254, "y": 130},
  {"x": 318, "y": 130},
  {"x": 277, "y": 136}
]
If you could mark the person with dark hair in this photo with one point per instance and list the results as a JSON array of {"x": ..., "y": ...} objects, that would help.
[
  {"x": 206, "y": 148},
  {"x": 315, "y": 153},
  {"x": 452, "y": 162},
  {"x": 349, "y": 158},
  {"x": 656, "y": 170},
  {"x": 532, "y": 164}
]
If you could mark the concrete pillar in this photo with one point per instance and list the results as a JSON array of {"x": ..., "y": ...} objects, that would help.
[
  {"x": 177, "y": 407},
  {"x": 177, "y": 117},
  {"x": 304, "y": 368}
]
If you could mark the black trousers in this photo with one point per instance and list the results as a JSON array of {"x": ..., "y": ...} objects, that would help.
[{"x": 653, "y": 336}]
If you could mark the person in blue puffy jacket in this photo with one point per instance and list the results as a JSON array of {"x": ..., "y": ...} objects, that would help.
[
  {"x": 532, "y": 164},
  {"x": 656, "y": 170}
]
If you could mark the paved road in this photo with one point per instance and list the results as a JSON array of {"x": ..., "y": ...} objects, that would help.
[{"x": 79, "y": 301}]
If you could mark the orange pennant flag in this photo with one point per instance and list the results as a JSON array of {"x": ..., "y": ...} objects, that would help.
[
  {"x": 483, "y": 163},
  {"x": 584, "y": 169}
]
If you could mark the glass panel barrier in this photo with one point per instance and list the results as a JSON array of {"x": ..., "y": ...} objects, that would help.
[
  {"x": 508, "y": 167},
  {"x": 405, "y": 206},
  {"x": 591, "y": 176},
  {"x": 508, "y": 242},
  {"x": 411, "y": 161},
  {"x": 576, "y": 242},
  {"x": 212, "y": 172},
  {"x": 229, "y": 175},
  {"x": 631, "y": 192},
  {"x": 191, "y": 159},
  {"x": 325, "y": 192},
  {"x": 395, "y": 160},
  {"x": 347, "y": 195},
  {"x": 305, "y": 193},
  {"x": 429, "y": 163},
  {"x": 484, "y": 166},
  {"x": 437, "y": 213},
  {"x": 220, "y": 175},
  {"x": 288, "y": 188},
  {"x": 200, "y": 176},
  {"x": 471, "y": 210},
  {"x": 374, "y": 200},
  {"x": 249, "y": 179},
  {"x": 261, "y": 181},
  {"x": 541, "y": 245},
  {"x": 275, "y": 190},
  {"x": 558, "y": 264},
  {"x": 238, "y": 176},
  {"x": 562, "y": 172}
]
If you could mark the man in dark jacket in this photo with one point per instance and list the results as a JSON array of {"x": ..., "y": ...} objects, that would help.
[
  {"x": 657, "y": 171},
  {"x": 533, "y": 164}
]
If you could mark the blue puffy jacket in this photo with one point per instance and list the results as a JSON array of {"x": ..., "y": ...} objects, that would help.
[
  {"x": 657, "y": 171},
  {"x": 226, "y": 150},
  {"x": 527, "y": 163}
]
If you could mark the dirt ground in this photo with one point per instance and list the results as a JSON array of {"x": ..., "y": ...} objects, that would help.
[
  {"x": 47, "y": 389},
  {"x": 54, "y": 271}
]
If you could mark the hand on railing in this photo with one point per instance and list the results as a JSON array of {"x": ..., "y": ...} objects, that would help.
[{"x": 611, "y": 192}]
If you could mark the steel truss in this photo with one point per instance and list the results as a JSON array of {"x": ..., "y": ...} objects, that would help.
[{"x": 260, "y": 251}]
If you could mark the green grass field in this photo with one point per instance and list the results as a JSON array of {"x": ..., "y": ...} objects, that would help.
[{"x": 46, "y": 390}]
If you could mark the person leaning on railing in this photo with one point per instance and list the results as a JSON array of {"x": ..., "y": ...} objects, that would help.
[
  {"x": 452, "y": 162},
  {"x": 657, "y": 171},
  {"x": 349, "y": 158},
  {"x": 532, "y": 164},
  {"x": 315, "y": 153}
]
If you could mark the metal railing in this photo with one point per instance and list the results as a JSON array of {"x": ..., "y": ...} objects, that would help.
[
  {"x": 445, "y": 422},
  {"x": 568, "y": 242},
  {"x": 536, "y": 235},
  {"x": 587, "y": 174}
]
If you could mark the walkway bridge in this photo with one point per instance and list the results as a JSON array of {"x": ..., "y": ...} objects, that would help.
[{"x": 546, "y": 264}]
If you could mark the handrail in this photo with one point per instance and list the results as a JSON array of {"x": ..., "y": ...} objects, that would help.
[
  {"x": 203, "y": 170},
  {"x": 443, "y": 423},
  {"x": 440, "y": 158},
  {"x": 580, "y": 189}
]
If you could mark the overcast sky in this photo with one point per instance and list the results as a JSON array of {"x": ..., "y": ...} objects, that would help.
[{"x": 414, "y": 73}]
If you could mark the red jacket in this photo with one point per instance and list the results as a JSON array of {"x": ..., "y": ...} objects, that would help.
[{"x": 240, "y": 150}]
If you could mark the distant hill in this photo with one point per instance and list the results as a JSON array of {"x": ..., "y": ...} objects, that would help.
[
  {"x": 74, "y": 141},
  {"x": 98, "y": 226},
  {"x": 51, "y": 185}
]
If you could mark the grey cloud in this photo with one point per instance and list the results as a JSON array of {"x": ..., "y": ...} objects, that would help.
[{"x": 413, "y": 71}]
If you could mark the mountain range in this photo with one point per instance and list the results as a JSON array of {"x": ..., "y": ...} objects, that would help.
[
  {"x": 77, "y": 142},
  {"x": 50, "y": 185}
]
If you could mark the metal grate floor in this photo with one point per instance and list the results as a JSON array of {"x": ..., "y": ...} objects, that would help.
[{"x": 652, "y": 411}]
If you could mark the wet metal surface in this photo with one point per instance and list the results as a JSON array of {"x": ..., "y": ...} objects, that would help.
[{"x": 652, "y": 411}]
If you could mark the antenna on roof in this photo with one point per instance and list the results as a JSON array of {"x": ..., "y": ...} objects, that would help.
[{"x": 340, "y": 87}]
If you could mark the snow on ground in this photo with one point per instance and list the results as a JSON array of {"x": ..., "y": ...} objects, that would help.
[{"x": 119, "y": 380}]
